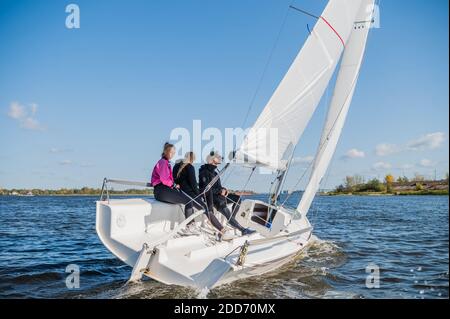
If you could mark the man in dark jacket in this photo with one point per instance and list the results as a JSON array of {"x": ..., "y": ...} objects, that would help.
[{"x": 218, "y": 196}]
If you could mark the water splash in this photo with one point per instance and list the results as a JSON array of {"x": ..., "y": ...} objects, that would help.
[{"x": 203, "y": 293}]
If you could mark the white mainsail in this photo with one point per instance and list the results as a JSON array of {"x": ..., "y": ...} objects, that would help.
[
  {"x": 340, "y": 103},
  {"x": 272, "y": 139}
]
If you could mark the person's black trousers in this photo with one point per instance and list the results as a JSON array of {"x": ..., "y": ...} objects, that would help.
[
  {"x": 236, "y": 201},
  {"x": 212, "y": 218},
  {"x": 169, "y": 195},
  {"x": 224, "y": 210}
]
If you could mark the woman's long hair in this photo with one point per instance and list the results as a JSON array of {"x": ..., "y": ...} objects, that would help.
[{"x": 189, "y": 158}]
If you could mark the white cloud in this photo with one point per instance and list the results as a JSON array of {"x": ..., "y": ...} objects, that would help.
[
  {"x": 381, "y": 166},
  {"x": 427, "y": 163},
  {"x": 55, "y": 150},
  {"x": 65, "y": 162},
  {"x": 24, "y": 116},
  {"x": 354, "y": 153},
  {"x": 387, "y": 149},
  {"x": 16, "y": 111},
  {"x": 34, "y": 108},
  {"x": 427, "y": 142},
  {"x": 31, "y": 124}
]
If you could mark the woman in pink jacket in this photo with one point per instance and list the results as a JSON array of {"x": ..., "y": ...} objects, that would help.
[{"x": 164, "y": 187}]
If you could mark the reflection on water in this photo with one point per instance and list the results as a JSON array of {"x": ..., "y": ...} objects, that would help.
[{"x": 407, "y": 237}]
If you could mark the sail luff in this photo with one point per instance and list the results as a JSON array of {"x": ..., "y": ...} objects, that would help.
[
  {"x": 278, "y": 129},
  {"x": 343, "y": 93}
]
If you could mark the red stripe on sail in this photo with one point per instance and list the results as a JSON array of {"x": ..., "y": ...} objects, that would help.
[{"x": 334, "y": 30}]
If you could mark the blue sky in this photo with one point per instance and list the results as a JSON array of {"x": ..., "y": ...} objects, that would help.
[{"x": 77, "y": 105}]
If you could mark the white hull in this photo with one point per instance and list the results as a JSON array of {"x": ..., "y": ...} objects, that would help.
[{"x": 144, "y": 234}]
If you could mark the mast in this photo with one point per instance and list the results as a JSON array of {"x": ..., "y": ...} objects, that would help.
[
  {"x": 281, "y": 176},
  {"x": 281, "y": 179}
]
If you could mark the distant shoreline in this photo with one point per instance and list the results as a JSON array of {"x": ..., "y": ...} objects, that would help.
[
  {"x": 355, "y": 186},
  {"x": 42, "y": 193},
  {"x": 74, "y": 195},
  {"x": 385, "y": 194},
  {"x": 334, "y": 194},
  {"x": 412, "y": 193}
]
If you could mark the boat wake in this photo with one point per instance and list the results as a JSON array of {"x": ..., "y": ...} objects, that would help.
[
  {"x": 324, "y": 252},
  {"x": 203, "y": 294},
  {"x": 307, "y": 276}
]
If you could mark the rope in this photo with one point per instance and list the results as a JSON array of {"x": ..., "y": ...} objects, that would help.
[{"x": 249, "y": 178}]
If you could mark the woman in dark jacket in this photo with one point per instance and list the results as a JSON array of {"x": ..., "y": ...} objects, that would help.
[
  {"x": 218, "y": 196},
  {"x": 184, "y": 174}
]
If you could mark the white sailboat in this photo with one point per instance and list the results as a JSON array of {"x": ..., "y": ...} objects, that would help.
[{"x": 146, "y": 234}]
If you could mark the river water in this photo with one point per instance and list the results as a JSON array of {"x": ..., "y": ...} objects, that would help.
[{"x": 406, "y": 237}]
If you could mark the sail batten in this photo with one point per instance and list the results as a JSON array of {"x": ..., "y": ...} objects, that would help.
[
  {"x": 339, "y": 106},
  {"x": 290, "y": 109}
]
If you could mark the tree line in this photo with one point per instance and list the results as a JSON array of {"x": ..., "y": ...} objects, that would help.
[
  {"x": 390, "y": 184},
  {"x": 72, "y": 191}
]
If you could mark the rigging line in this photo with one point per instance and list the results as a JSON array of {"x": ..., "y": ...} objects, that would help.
[
  {"x": 235, "y": 205},
  {"x": 296, "y": 185},
  {"x": 304, "y": 12},
  {"x": 263, "y": 75},
  {"x": 314, "y": 214},
  {"x": 328, "y": 175},
  {"x": 249, "y": 178},
  {"x": 271, "y": 187},
  {"x": 309, "y": 30},
  {"x": 225, "y": 179}
]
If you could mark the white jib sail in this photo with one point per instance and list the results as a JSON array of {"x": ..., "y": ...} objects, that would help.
[
  {"x": 278, "y": 129},
  {"x": 340, "y": 103}
]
